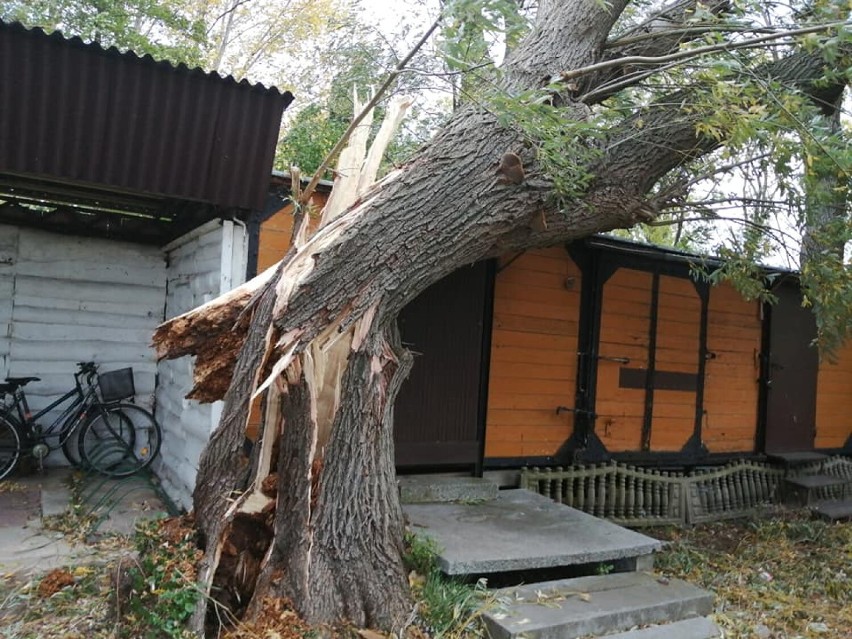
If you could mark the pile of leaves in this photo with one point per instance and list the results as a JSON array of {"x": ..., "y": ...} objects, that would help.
[
  {"x": 277, "y": 620},
  {"x": 779, "y": 577},
  {"x": 72, "y": 603}
]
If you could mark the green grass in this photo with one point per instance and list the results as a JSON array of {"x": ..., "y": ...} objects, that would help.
[{"x": 447, "y": 608}]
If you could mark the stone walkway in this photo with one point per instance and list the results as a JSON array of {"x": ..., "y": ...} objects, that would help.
[{"x": 27, "y": 547}]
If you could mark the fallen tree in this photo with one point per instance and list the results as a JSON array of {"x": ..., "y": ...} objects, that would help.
[{"x": 320, "y": 483}]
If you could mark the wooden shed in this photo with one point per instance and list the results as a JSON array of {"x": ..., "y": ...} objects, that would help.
[
  {"x": 128, "y": 188},
  {"x": 607, "y": 349}
]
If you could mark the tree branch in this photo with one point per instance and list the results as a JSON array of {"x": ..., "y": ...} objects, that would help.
[
  {"x": 690, "y": 31},
  {"x": 332, "y": 155},
  {"x": 696, "y": 52}
]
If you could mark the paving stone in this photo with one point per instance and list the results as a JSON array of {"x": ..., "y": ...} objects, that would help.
[
  {"x": 521, "y": 530},
  {"x": 595, "y": 606},
  {"x": 18, "y": 504}
]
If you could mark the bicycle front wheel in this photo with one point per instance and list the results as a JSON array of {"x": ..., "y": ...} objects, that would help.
[
  {"x": 11, "y": 443},
  {"x": 120, "y": 440}
]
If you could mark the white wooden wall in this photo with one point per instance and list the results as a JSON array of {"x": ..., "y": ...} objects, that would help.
[
  {"x": 67, "y": 299},
  {"x": 201, "y": 265}
]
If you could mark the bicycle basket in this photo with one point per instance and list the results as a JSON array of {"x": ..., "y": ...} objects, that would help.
[{"x": 116, "y": 385}]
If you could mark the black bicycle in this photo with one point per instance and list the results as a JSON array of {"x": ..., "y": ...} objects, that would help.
[{"x": 95, "y": 430}]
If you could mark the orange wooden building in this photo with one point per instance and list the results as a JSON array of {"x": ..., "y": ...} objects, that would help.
[
  {"x": 609, "y": 349},
  {"x": 605, "y": 349}
]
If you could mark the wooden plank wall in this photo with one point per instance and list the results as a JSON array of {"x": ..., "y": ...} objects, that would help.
[
  {"x": 624, "y": 333},
  {"x": 202, "y": 265},
  {"x": 276, "y": 231},
  {"x": 83, "y": 299},
  {"x": 834, "y": 400},
  {"x": 66, "y": 299},
  {"x": 731, "y": 385},
  {"x": 533, "y": 354},
  {"x": 678, "y": 350}
]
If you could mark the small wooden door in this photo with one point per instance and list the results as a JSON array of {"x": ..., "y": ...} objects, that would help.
[
  {"x": 648, "y": 362},
  {"x": 437, "y": 420},
  {"x": 791, "y": 375}
]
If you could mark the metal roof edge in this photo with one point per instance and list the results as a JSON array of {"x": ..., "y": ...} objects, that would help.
[
  {"x": 146, "y": 58},
  {"x": 653, "y": 250},
  {"x": 326, "y": 185}
]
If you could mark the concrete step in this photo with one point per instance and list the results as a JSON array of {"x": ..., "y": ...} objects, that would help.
[
  {"x": 595, "y": 606},
  {"x": 429, "y": 489},
  {"x": 693, "y": 628},
  {"x": 833, "y": 509},
  {"x": 798, "y": 458},
  {"x": 817, "y": 481},
  {"x": 523, "y": 531},
  {"x": 803, "y": 491}
]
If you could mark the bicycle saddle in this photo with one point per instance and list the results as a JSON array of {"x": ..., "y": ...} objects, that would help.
[{"x": 21, "y": 381}]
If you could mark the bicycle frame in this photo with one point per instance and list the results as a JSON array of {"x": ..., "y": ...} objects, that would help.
[{"x": 68, "y": 420}]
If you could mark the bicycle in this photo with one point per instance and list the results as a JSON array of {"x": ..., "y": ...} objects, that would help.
[{"x": 113, "y": 438}]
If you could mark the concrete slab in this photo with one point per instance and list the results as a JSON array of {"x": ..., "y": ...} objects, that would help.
[
  {"x": 695, "y": 628},
  {"x": 817, "y": 481},
  {"x": 30, "y": 550},
  {"x": 521, "y": 530},
  {"x": 798, "y": 458},
  {"x": 121, "y": 505},
  {"x": 424, "y": 489},
  {"x": 26, "y": 547},
  {"x": 803, "y": 491},
  {"x": 595, "y": 606},
  {"x": 834, "y": 509},
  {"x": 55, "y": 492},
  {"x": 18, "y": 504}
]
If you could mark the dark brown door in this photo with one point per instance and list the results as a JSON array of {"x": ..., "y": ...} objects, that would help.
[
  {"x": 792, "y": 375},
  {"x": 437, "y": 413}
]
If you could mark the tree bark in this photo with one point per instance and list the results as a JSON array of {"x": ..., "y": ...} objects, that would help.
[
  {"x": 336, "y": 549},
  {"x": 338, "y": 539}
]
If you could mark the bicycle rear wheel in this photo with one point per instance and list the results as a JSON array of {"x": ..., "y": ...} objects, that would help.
[
  {"x": 11, "y": 443},
  {"x": 120, "y": 440}
]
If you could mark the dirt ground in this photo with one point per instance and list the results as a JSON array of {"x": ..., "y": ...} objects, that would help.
[
  {"x": 781, "y": 575},
  {"x": 777, "y": 576}
]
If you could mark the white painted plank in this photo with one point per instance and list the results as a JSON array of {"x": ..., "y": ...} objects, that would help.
[
  {"x": 47, "y": 315},
  {"x": 195, "y": 276},
  {"x": 60, "y": 289},
  {"x": 48, "y": 332},
  {"x": 80, "y": 351}
]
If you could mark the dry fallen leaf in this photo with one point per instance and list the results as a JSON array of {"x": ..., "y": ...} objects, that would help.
[{"x": 54, "y": 581}]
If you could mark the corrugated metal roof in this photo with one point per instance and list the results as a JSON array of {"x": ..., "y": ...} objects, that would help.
[{"x": 74, "y": 111}]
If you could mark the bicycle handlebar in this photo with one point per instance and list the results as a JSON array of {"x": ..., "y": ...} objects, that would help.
[{"x": 87, "y": 367}]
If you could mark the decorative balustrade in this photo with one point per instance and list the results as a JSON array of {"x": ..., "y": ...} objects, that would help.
[{"x": 643, "y": 497}]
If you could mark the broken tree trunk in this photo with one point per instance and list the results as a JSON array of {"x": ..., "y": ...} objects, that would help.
[{"x": 336, "y": 533}]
